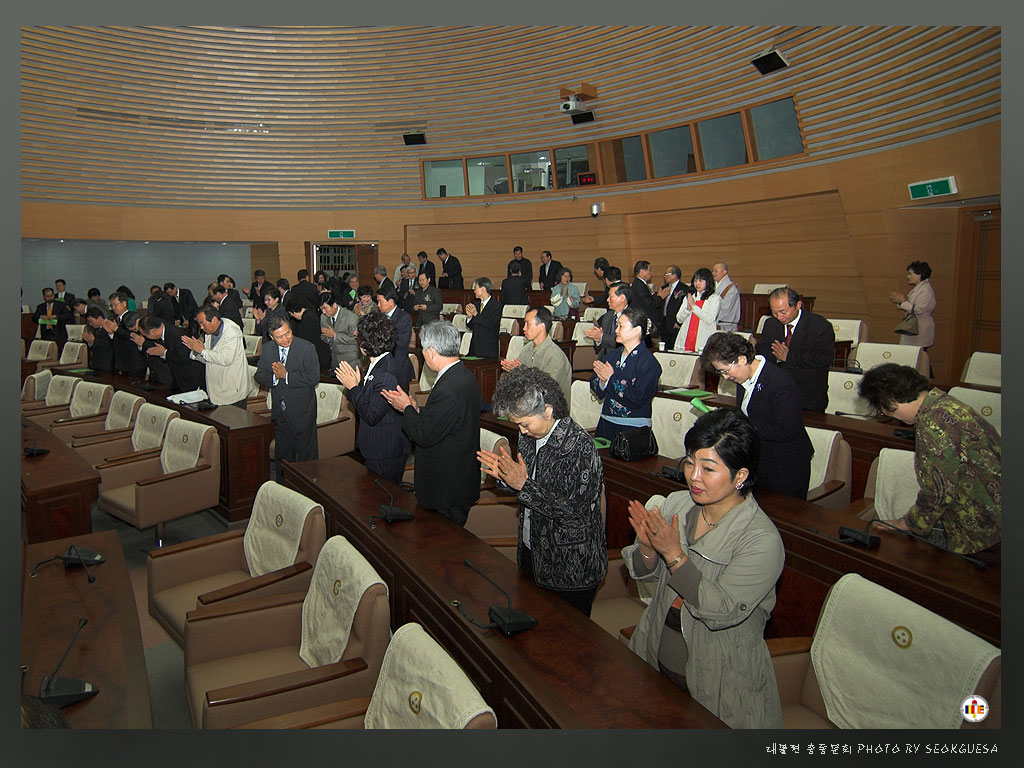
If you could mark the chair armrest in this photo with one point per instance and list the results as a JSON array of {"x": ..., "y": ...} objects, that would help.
[
  {"x": 860, "y": 507},
  {"x": 627, "y": 632},
  {"x": 826, "y": 489},
  {"x": 72, "y": 420},
  {"x": 185, "y": 546},
  {"x": 313, "y": 717},
  {"x": 236, "y": 607},
  {"x": 501, "y": 541},
  {"x": 128, "y": 458},
  {"x": 786, "y": 646},
  {"x": 338, "y": 420},
  {"x": 255, "y": 583},
  {"x": 261, "y": 412},
  {"x": 33, "y": 405},
  {"x": 272, "y": 686},
  {"x": 103, "y": 437},
  {"x": 172, "y": 476},
  {"x": 43, "y": 410}
]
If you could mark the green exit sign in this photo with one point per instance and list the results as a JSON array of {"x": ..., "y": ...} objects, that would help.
[
  {"x": 341, "y": 234},
  {"x": 932, "y": 188}
]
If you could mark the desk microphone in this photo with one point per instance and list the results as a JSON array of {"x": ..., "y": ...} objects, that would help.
[
  {"x": 81, "y": 557},
  {"x": 508, "y": 620},
  {"x": 81, "y": 561},
  {"x": 389, "y": 513},
  {"x": 855, "y": 415},
  {"x": 676, "y": 474},
  {"x": 31, "y": 451},
  {"x": 64, "y": 691}
]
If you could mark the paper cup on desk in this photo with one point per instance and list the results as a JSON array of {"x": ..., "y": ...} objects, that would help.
[{"x": 661, "y": 346}]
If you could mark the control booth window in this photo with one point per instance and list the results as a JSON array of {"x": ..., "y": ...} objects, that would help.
[
  {"x": 444, "y": 178},
  {"x": 570, "y": 161},
  {"x": 672, "y": 152},
  {"x": 721, "y": 141},
  {"x": 623, "y": 160},
  {"x": 531, "y": 171},
  {"x": 487, "y": 175},
  {"x": 776, "y": 130}
]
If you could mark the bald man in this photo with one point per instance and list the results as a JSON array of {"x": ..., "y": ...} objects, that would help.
[{"x": 729, "y": 314}]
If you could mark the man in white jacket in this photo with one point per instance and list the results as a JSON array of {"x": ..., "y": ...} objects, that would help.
[{"x": 223, "y": 354}]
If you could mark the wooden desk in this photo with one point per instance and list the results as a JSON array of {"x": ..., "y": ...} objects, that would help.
[
  {"x": 244, "y": 442},
  {"x": 487, "y": 372},
  {"x": 107, "y": 653},
  {"x": 57, "y": 489},
  {"x": 565, "y": 673}
]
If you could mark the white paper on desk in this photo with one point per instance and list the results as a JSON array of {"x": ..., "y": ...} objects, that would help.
[{"x": 195, "y": 396}]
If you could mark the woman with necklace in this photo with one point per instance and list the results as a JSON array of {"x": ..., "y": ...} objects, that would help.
[
  {"x": 771, "y": 399},
  {"x": 716, "y": 557},
  {"x": 626, "y": 377},
  {"x": 698, "y": 314}
]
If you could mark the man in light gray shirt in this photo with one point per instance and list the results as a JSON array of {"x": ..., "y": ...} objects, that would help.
[
  {"x": 338, "y": 329},
  {"x": 729, "y": 314},
  {"x": 541, "y": 351}
]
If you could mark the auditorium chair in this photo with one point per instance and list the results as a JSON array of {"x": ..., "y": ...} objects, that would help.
[
  {"x": 494, "y": 518},
  {"x": 58, "y": 396},
  {"x": 182, "y": 479},
  {"x": 247, "y": 312},
  {"x": 459, "y": 321},
  {"x": 585, "y": 353},
  {"x": 419, "y": 687},
  {"x": 831, "y": 469},
  {"x": 144, "y": 438},
  {"x": 988, "y": 405},
  {"x": 74, "y": 355},
  {"x": 425, "y": 382},
  {"x": 35, "y": 386},
  {"x": 983, "y": 369},
  {"x": 514, "y": 310},
  {"x": 515, "y": 346},
  {"x": 451, "y": 309},
  {"x": 88, "y": 399},
  {"x": 680, "y": 370},
  {"x": 843, "y": 397},
  {"x": 253, "y": 345},
  {"x": 762, "y": 288},
  {"x": 26, "y": 309},
  {"x": 671, "y": 419},
  {"x": 256, "y": 399},
  {"x": 854, "y": 331},
  {"x": 890, "y": 489},
  {"x": 40, "y": 351},
  {"x": 582, "y": 287},
  {"x": 557, "y": 330},
  {"x": 467, "y": 338},
  {"x": 248, "y": 326},
  {"x": 74, "y": 332},
  {"x": 870, "y": 354},
  {"x": 259, "y": 657},
  {"x": 880, "y": 661},
  {"x": 508, "y": 325},
  {"x": 584, "y": 407},
  {"x": 273, "y": 555},
  {"x": 335, "y": 426},
  {"x": 593, "y": 314},
  {"x": 760, "y": 324},
  {"x": 617, "y": 604},
  {"x": 119, "y": 415}
]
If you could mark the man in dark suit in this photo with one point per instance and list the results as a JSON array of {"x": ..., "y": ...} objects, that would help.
[
  {"x": 451, "y": 271},
  {"x": 673, "y": 293},
  {"x": 428, "y": 301},
  {"x": 52, "y": 317},
  {"x": 161, "y": 305},
  {"x": 185, "y": 308},
  {"x": 800, "y": 342},
  {"x": 101, "y": 348},
  {"x": 163, "y": 344},
  {"x": 380, "y": 277},
  {"x": 61, "y": 292},
  {"x": 305, "y": 291},
  {"x": 128, "y": 358},
  {"x": 229, "y": 285},
  {"x": 484, "y": 320},
  {"x": 259, "y": 289},
  {"x": 407, "y": 288},
  {"x": 547, "y": 276},
  {"x": 642, "y": 297},
  {"x": 514, "y": 287},
  {"x": 387, "y": 302},
  {"x": 603, "y": 333},
  {"x": 229, "y": 304},
  {"x": 305, "y": 324},
  {"x": 426, "y": 267},
  {"x": 289, "y": 368},
  {"x": 524, "y": 264},
  {"x": 446, "y": 431}
]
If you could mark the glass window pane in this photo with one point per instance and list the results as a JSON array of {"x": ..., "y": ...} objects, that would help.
[
  {"x": 721, "y": 141},
  {"x": 568, "y": 162},
  {"x": 487, "y": 175},
  {"x": 531, "y": 171},
  {"x": 776, "y": 131},
  {"x": 623, "y": 160},
  {"x": 672, "y": 152},
  {"x": 443, "y": 178}
]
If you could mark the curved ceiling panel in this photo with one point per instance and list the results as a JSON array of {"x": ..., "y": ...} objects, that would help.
[{"x": 303, "y": 117}]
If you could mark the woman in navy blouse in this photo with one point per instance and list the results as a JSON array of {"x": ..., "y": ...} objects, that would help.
[{"x": 626, "y": 377}]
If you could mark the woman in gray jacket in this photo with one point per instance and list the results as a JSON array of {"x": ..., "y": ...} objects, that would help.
[
  {"x": 557, "y": 479},
  {"x": 716, "y": 557}
]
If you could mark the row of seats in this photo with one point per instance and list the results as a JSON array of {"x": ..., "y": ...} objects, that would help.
[{"x": 283, "y": 627}]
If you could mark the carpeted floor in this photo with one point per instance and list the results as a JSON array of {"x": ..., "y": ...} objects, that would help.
[{"x": 165, "y": 660}]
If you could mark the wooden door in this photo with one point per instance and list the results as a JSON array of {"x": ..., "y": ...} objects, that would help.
[{"x": 977, "y": 325}]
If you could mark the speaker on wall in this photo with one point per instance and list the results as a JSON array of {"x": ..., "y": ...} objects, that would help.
[
  {"x": 769, "y": 62},
  {"x": 414, "y": 138},
  {"x": 583, "y": 117}
]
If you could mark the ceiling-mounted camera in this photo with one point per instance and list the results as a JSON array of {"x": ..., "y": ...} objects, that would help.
[{"x": 572, "y": 106}]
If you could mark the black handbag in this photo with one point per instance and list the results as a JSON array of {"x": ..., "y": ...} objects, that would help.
[{"x": 634, "y": 443}]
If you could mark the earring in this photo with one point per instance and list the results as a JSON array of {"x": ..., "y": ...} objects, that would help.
[{"x": 738, "y": 487}]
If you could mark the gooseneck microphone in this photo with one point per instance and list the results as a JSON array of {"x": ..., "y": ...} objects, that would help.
[
  {"x": 508, "y": 620},
  {"x": 65, "y": 691},
  {"x": 81, "y": 560},
  {"x": 855, "y": 415},
  {"x": 389, "y": 513},
  {"x": 81, "y": 557}
]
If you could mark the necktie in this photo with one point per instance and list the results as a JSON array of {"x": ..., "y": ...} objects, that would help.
[
  {"x": 284, "y": 355},
  {"x": 789, "y": 334}
]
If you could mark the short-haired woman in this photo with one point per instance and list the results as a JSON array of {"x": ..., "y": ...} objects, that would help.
[
  {"x": 565, "y": 297},
  {"x": 716, "y": 557},
  {"x": 380, "y": 439},
  {"x": 772, "y": 400},
  {"x": 626, "y": 377},
  {"x": 921, "y": 300},
  {"x": 698, "y": 314},
  {"x": 957, "y": 459},
  {"x": 557, "y": 478}
]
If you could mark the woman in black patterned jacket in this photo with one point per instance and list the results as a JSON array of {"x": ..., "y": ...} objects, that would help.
[{"x": 557, "y": 478}]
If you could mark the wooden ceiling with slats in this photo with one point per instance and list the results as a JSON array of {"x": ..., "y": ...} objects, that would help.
[{"x": 313, "y": 117}]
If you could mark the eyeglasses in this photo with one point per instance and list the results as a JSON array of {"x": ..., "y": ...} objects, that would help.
[{"x": 724, "y": 371}]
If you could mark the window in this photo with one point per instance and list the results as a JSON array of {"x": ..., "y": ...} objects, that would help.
[
  {"x": 721, "y": 141},
  {"x": 443, "y": 178},
  {"x": 623, "y": 160},
  {"x": 531, "y": 171},
  {"x": 569, "y": 161},
  {"x": 672, "y": 152},
  {"x": 487, "y": 175},
  {"x": 776, "y": 131}
]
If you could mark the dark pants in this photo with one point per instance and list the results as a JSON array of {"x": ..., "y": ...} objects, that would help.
[
  {"x": 391, "y": 469},
  {"x": 295, "y": 442},
  {"x": 240, "y": 404},
  {"x": 580, "y": 599},
  {"x": 457, "y": 515}
]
